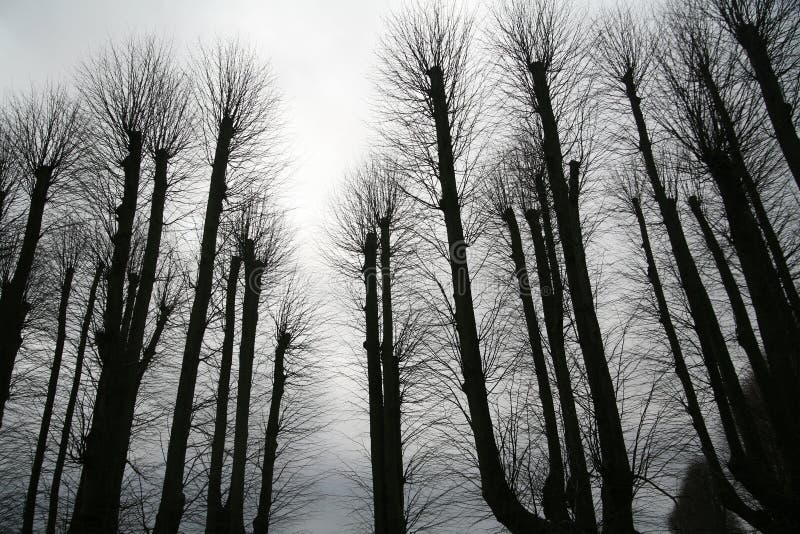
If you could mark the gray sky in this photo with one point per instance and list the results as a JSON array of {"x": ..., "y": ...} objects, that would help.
[{"x": 322, "y": 53}]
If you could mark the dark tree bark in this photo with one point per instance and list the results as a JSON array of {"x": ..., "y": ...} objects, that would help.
[
  {"x": 721, "y": 484},
  {"x": 712, "y": 343},
  {"x": 617, "y": 491},
  {"x": 496, "y": 492},
  {"x": 552, "y": 292},
  {"x": 252, "y": 292},
  {"x": 97, "y": 500},
  {"x": 47, "y": 414},
  {"x": 216, "y": 520},
  {"x": 172, "y": 497},
  {"x": 373, "y": 348},
  {"x": 554, "y": 499},
  {"x": 769, "y": 301},
  {"x": 52, "y": 515},
  {"x": 262, "y": 519},
  {"x": 46, "y": 135},
  {"x": 395, "y": 509},
  {"x": 744, "y": 329},
  {"x": 13, "y": 306},
  {"x": 753, "y": 27}
]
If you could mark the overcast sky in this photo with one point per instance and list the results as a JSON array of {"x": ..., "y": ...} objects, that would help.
[{"x": 322, "y": 53}]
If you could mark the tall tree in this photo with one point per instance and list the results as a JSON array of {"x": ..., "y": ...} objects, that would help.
[
  {"x": 767, "y": 31},
  {"x": 67, "y": 255},
  {"x": 66, "y": 429},
  {"x": 431, "y": 105},
  {"x": 260, "y": 243},
  {"x": 139, "y": 105},
  {"x": 554, "y": 501},
  {"x": 542, "y": 53},
  {"x": 238, "y": 105},
  {"x": 45, "y": 134},
  {"x": 216, "y": 519},
  {"x": 293, "y": 336}
]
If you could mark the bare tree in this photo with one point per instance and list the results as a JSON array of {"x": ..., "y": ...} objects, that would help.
[
  {"x": 45, "y": 133},
  {"x": 542, "y": 56},
  {"x": 294, "y": 327},
  {"x": 502, "y": 203},
  {"x": 260, "y": 241},
  {"x": 66, "y": 430},
  {"x": 767, "y": 30},
  {"x": 431, "y": 101},
  {"x": 238, "y": 105},
  {"x": 67, "y": 256},
  {"x": 126, "y": 87},
  {"x": 216, "y": 520}
]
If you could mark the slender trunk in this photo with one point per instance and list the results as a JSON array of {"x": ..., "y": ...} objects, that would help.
[
  {"x": 786, "y": 327},
  {"x": 47, "y": 414},
  {"x": 617, "y": 490},
  {"x": 172, "y": 497},
  {"x": 147, "y": 276},
  {"x": 778, "y": 109},
  {"x": 215, "y": 520},
  {"x": 372, "y": 346},
  {"x": 500, "y": 497},
  {"x": 13, "y": 308},
  {"x": 252, "y": 292},
  {"x": 744, "y": 329},
  {"x": 261, "y": 521},
  {"x": 579, "y": 485},
  {"x": 395, "y": 508},
  {"x": 772, "y": 315},
  {"x": 553, "y": 499},
  {"x": 728, "y": 494},
  {"x": 52, "y": 515},
  {"x": 97, "y": 500},
  {"x": 709, "y": 334}
]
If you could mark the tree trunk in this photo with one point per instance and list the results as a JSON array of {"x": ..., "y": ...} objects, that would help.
[
  {"x": 13, "y": 308},
  {"x": 47, "y": 414},
  {"x": 372, "y": 346},
  {"x": 552, "y": 292},
  {"x": 778, "y": 109},
  {"x": 172, "y": 498},
  {"x": 709, "y": 334},
  {"x": 727, "y": 493},
  {"x": 252, "y": 292},
  {"x": 215, "y": 521},
  {"x": 617, "y": 490},
  {"x": 261, "y": 522},
  {"x": 501, "y": 499},
  {"x": 744, "y": 329},
  {"x": 52, "y": 515},
  {"x": 553, "y": 499},
  {"x": 773, "y": 317},
  {"x": 97, "y": 500},
  {"x": 395, "y": 508}
]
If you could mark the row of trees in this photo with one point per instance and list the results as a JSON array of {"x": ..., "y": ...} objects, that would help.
[
  {"x": 92, "y": 186},
  {"x": 682, "y": 133},
  {"x": 520, "y": 360}
]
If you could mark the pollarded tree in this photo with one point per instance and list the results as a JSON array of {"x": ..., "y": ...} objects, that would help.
[
  {"x": 239, "y": 111},
  {"x": 289, "y": 416},
  {"x": 431, "y": 97},
  {"x": 45, "y": 132},
  {"x": 501, "y": 199},
  {"x": 768, "y": 32},
  {"x": 68, "y": 252},
  {"x": 543, "y": 61},
  {"x": 261, "y": 243},
  {"x": 138, "y": 102}
]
